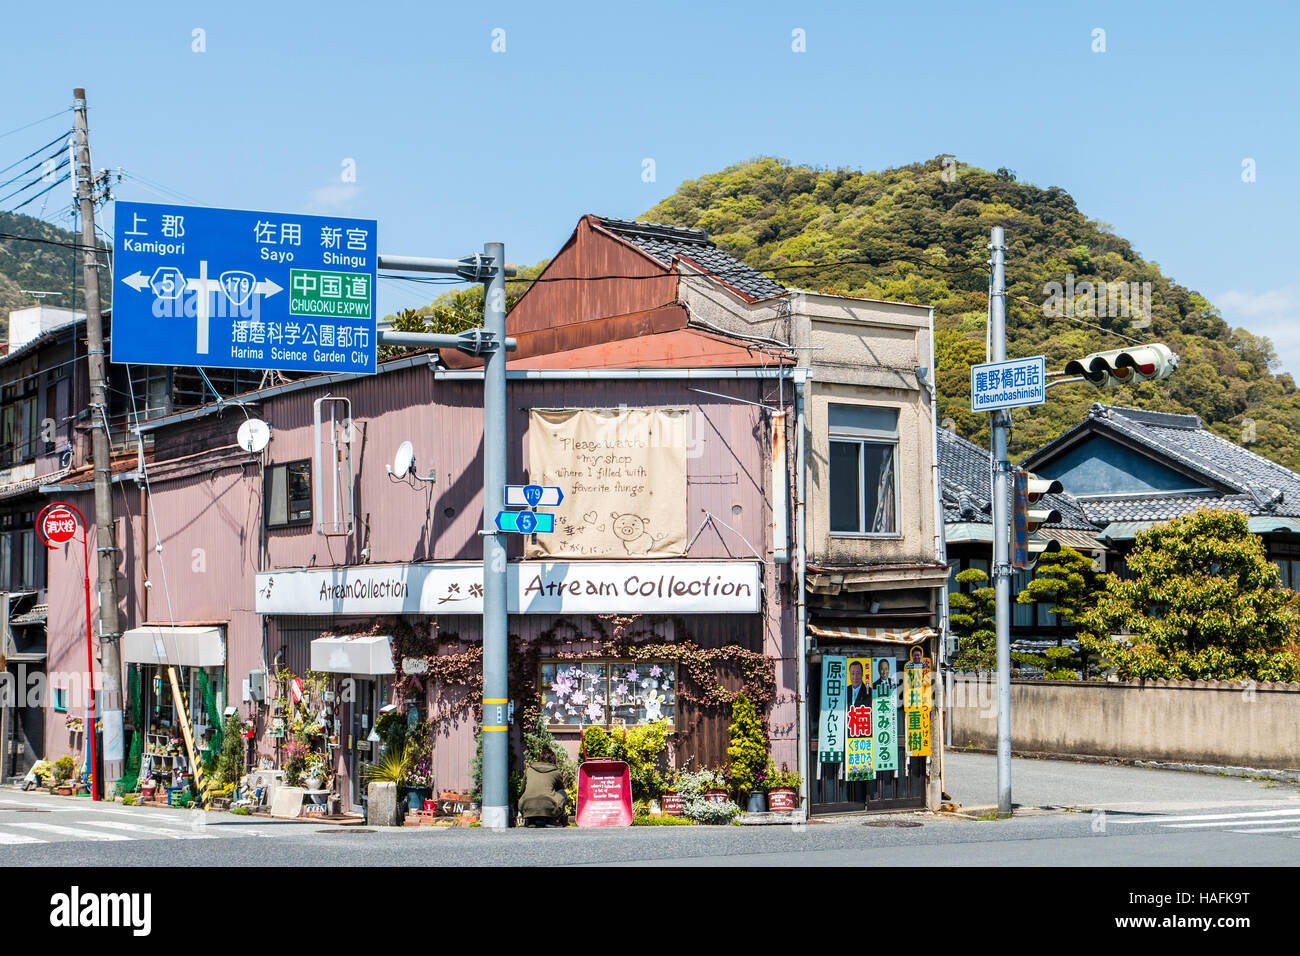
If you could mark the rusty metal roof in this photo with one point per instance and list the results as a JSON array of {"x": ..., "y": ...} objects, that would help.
[{"x": 682, "y": 348}]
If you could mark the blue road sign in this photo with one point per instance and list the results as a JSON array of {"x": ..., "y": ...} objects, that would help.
[
  {"x": 1008, "y": 384},
  {"x": 525, "y": 522},
  {"x": 533, "y": 496},
  {"x": 231, "y": 288}
]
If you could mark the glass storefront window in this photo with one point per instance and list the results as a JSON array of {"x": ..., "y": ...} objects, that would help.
[{"x": 608, "y": 692}]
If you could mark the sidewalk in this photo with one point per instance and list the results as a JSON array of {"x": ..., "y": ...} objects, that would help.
[{"x": 971, "y": 780}]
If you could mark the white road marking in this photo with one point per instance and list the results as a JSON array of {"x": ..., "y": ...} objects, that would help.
[
  {"x": 14, "y": 838},
  {"x": 69, "y": 831},
  {"x": 149, "y": 831},
  {"x": 1242, "y": 816}
]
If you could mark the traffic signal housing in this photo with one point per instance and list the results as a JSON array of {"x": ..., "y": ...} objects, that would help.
[
  {"x": 1035, "y": 489},
  {"x": 1144, "y": 363}
]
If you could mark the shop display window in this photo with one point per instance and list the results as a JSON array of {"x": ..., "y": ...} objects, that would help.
[{"x": 608, "y": 692}]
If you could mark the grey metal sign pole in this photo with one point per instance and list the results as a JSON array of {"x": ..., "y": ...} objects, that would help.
[
  {"x": 998, "y": 422},
  {"x": 496, "y": 737},
  {"x": 492, "y": 344}
]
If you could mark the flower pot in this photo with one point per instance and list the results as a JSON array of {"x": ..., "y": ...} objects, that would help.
[
  {"x": 715, "y": 795},
  {"x": 757, "y": 802},
  {"x": 782, "y": 801},
  {"x": 313, "y": 783},
  {"x": 672, "y": 804}
]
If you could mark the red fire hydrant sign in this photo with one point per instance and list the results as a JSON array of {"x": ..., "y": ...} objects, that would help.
[
  {"x": 604, "y": 794},
  {"x": 59, "y": 525}
]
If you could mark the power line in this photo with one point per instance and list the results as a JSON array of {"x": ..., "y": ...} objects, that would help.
[
  {"x": 19, "y": 129},
  {"x": 58, "y": 139}
]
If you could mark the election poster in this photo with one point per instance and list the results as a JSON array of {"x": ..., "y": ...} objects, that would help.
[
  {"x": 830, "y": 737},
  {"x": 884, "y": 716},
  {"x": 857, "y": 725},
  {"x": 917, "y": 702}
]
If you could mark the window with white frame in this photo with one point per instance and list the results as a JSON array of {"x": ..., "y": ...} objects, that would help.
[
  {"x": 608, "y": 692},
  {"x": 863, "y": 469}
]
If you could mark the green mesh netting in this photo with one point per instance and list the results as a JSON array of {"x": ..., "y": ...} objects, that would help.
[
  {"x": 131, "y": 770},
  {"x": 209, "y": 756}
]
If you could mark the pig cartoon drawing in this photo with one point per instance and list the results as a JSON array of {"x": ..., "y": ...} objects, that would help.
[{"x": 632, "y": 530}]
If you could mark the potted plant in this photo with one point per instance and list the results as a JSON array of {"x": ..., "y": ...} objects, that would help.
[
  {"x": 670, "y": 798},
  {"x": 782, "y": 789},
  {"x": 316, "y": 770},
  {"x": 295, "y": 762},
  {"x": 715, "y": 787},
  {"x": 63, "y": 770},
  {"x": 757, "y": 801}
]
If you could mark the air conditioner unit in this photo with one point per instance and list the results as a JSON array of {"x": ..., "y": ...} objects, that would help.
[{"x": 257, "y": 685}]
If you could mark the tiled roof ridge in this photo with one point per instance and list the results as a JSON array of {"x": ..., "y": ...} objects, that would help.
[
  {"x": 1147, "y": 417},
  {"x": 657, "y": 230}
]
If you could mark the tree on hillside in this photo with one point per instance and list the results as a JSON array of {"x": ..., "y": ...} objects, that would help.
[
  {"x": 918, "y": 233},
  {"x": 1204, "y": 603}
]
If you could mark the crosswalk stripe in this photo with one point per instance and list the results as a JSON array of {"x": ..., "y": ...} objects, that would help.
[
  {"x": 1239, "y": 815},
  {"x": 15, "y": 838},
  {"x": 69, "y": 831},
  {"x": 1271, "y": 830},
  {"x": 149, "y": 831}
]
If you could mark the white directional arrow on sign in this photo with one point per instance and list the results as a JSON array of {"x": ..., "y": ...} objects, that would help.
[
  {"x": 267, "y": 288},
  {"x": 137, "y": 280}
]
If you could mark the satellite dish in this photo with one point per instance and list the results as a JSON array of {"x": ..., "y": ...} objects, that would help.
[
  {"x": 404, "y": 460},
  {"x": 254, "y": 435}
]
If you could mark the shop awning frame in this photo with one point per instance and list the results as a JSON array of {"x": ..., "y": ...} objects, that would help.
[
  {"x": 186, "y": 646},
  {"x": 364, "y": 654},
  {"x": 904, "y": 636}
]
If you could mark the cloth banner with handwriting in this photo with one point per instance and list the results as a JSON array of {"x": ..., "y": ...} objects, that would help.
[{"x": 623, "y": 474}]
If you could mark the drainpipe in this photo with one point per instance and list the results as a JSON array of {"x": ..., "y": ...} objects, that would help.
[
  {"x": 941, "y": 555},
  {"x": 801, "y": 593}
]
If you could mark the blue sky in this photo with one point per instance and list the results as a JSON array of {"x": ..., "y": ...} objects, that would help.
[{"x": 455, "y": 144}]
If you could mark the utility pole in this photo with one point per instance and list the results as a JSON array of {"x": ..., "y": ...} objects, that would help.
[
  {"x": 106, "y": 543},
  {"x": 998, "y": 425}
]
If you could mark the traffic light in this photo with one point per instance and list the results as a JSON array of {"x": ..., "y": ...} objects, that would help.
[
  {"x": 1124, "y": 366},
  {"x": 1035, "y": 488}
]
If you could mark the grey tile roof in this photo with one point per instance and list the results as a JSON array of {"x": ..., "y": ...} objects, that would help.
[
  {"x": 1245, "y": 480},
  {"x": 1102, "y": 511},
  {"x": 664, "y": 242},
  {"x": 964, "y": 469}
]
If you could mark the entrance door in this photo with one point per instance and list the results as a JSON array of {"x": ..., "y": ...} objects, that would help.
[
  {"x": 832, "y": 793},
  {"x": 361, "y": 752}
]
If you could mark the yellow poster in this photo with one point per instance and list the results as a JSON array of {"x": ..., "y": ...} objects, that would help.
[
  {"x": 623, "y": 474},
  {"x": 918, "y": 733}
]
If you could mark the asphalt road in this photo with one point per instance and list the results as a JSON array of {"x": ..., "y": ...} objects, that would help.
[{"x": 1071, "y": 814}]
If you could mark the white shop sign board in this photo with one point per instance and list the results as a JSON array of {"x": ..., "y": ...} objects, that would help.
[{"x": 537, "y": 587}]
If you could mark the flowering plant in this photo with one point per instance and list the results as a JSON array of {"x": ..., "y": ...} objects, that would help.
[{"x": 74, "y": 724}]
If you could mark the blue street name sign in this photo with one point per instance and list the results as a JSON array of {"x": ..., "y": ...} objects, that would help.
[
  {"x": 1008, "y": 384},
  {"x": 232, "y": 288},
  {"x": 533, "y": 496},
  {"x": 525, "y": 522}
]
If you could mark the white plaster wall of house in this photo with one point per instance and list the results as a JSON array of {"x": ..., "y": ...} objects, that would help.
[{"x": 860, "y": 351}]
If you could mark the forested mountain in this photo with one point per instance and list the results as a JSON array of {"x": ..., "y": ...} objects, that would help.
[
  {"x": 42, "y": 266},
  {"x": 919, "y": 233}
]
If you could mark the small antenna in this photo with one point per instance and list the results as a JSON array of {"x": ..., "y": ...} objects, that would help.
[{"x": 253, "y": 435}]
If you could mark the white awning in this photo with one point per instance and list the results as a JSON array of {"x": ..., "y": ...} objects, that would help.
[
  {"x": 186, "y": 646},
  {"x": 366, "y": 654}
]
